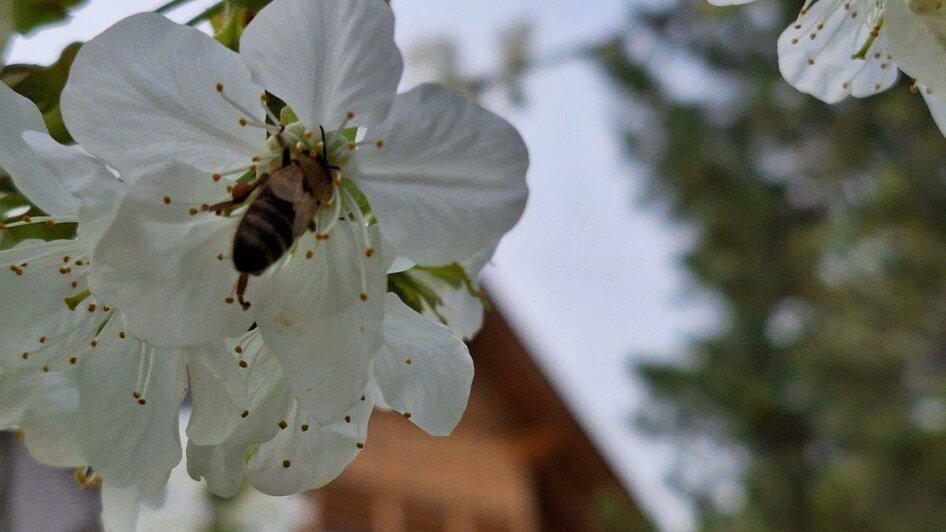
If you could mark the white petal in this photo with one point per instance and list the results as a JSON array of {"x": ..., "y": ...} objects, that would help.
[
  {"x": 423, "y": 370},
  {"x": 314, "y": 319},
  {"x": 119, "y": 508},
  {"x": 157, "y": 259},
  {"x": 816, "y": 53},
  {"x": 936, "y": 101},
  {"x": 218, "y": 392},
  {"x": 401, "y": 264},
  {"x": 94, "y": 188},
  {"x": 269, "y": 398},
  {"x": 144, "y": 92},
  {"x": 126, "y": 442},
  {"x": 49, "y": 427},
  {"x": 36, "y": 324},
  {"x": 185, "y": 508},
  {"x": 449, "y": 180},
  {"x": 306, "y": 455},
  {"x": 326, "y": 58},
  {"x": 15, "y": 396},
  {"x": 43, "y": 406},
  {"x": 42, "y": 185},
  {"x": 729, "y": 2},
  {"x": 917, "y": 43}
]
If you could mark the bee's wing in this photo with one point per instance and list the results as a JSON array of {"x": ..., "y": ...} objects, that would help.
[
  {"x": 289, "y": 184},
  {"x": 286, "y": 183}
]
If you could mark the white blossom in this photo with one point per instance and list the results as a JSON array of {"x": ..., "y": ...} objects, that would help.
[
  {"x": 104, "y": 331},
  {"x": 443, "y": 177},
  {"x": 836, "y": 49},
  {"x": 917, "y": 31}
]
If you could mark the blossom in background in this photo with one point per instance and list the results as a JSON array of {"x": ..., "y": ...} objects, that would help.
[
  {"x": 443, "y": 178},
  {"x": 837, "y": 49},
  {"x": 920, "y": 27}
]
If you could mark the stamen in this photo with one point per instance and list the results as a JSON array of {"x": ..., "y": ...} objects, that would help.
[
  {"x": 336, "y": 198},
  {"x": 141, "y": 372},
  {"x": 244, "y": 169},
  {"x": 249, "y": 119},
  {"x": 147, "y": 359},
  {"x": 275, "y": 130},
  {"x": 362, "y": 222},
  {"x": 361, "y": 267},
  {"x": 37, "y": 220},
  {"x": 340, "y": 129}
]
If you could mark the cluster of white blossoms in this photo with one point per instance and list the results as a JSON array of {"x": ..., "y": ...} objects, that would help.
[
  {"x": 182, "y": 162},
  {"x": 841, "y": 48}
]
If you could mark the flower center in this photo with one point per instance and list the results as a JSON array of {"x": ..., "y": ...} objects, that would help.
[{"x": 296, "y": 185}]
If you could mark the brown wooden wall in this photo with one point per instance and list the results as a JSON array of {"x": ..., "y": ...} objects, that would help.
[{"x": 517, "y": 462}]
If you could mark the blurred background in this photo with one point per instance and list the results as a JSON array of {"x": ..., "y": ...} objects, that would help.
[{"x": 723, "y": 309}]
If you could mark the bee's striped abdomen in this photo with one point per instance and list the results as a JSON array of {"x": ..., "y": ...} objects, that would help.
[{"x": 264, "y": 233}]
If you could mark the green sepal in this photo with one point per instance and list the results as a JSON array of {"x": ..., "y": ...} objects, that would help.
[
  {"x": 73, "y": 302},
  {"x": 457, "y": 277},
  {"x": 253, "y": 5},
  {"x": 413, "y": 292},
  {"x": 228, "y": 24},
  {"x": 41, "y": 230},
  {"x": 288, "y": 116}
]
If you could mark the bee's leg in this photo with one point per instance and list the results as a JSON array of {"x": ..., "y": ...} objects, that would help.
[
  {"x": 241, "y": 290},
  {"x": 240, "y": 192},
  {"x": 286, "y": 157},
  {"x": 311, "y": 226}
]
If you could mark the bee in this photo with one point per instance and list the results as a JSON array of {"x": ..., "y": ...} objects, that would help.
[{"x": 283, "y": 210}]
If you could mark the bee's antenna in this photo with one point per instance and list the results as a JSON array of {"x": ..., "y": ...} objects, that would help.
[{"x": 324, "y": 146}]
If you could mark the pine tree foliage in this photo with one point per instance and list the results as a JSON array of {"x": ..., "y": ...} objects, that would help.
[{"x": 822, "y": 232}]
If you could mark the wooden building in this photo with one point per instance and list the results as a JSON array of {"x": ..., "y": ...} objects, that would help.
[{"x": 518, "y": 462}]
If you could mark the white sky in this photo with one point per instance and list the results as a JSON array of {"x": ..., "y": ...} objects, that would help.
[{"x": 589, "y": 277}]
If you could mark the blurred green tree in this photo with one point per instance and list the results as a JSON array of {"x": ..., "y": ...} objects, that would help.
[{"x": 821, "y": 230}]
